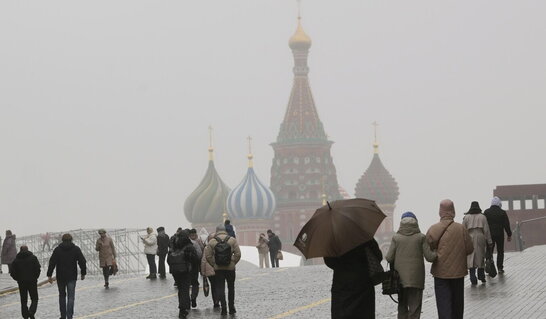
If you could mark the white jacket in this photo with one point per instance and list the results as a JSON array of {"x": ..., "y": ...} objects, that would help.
[{"x": 150, "y": 244}]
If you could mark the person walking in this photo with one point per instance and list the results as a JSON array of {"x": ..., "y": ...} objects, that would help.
[
  {"x": 150, "y": 249},
  {"x": 353, "y": 293},
  {"x": 229, "y": 228},
  {"x": 223, "y": 253},
  {"x": 65, "y": 260},
  {"x": 194, "y": 274},
  {"x": 406, "y": 252},
  {"x": 162, "y": 250},
  {"x": 25, "y": 269},
  {"x": 207, "y": 271},
  {"x": 452, "y": 244},
  {"x": 263, "y": 250},
  {"x": 478, "y": 229},
  {"x": 498, "y": 224},
  {"x": 275, "y": 246},
  {"x": 180, "y": 260},
  {"x": 9, "y": 251},
  {"x": 107, "y": 255}
]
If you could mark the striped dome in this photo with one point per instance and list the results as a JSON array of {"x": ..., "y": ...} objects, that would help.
[{"x": 251, "y": 199}]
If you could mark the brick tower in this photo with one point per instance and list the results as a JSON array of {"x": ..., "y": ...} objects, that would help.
[{"x": 303, "y": 170}]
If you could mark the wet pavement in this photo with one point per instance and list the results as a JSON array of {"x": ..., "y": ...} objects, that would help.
[{"x": 294, "y": 293}]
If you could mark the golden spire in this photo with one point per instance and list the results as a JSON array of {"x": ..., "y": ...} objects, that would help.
[
  {"x": 324, "y": 197},
  {"x": 225, "y": 216},
  {"x": 211, "y": 149},
  {"x": 250, "y": 156},
  {"x": 300, "y": 39},
  {"x": 375, "y": 144}
]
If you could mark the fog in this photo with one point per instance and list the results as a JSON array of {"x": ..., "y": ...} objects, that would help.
[{"x": 105, "y": 105}]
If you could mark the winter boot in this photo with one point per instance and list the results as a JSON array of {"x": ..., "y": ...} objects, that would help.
[
  {"x": 481, "y": 275},
  {"x": 473, "y": 279}
]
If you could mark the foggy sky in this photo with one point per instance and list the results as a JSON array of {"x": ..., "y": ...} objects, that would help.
[{"x": 104, "y": 105}]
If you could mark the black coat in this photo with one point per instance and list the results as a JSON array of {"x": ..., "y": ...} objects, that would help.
[
  {"x": 25, "y": 267},
  {"x": 163, "y": 242},
  {"x": 353, "y": 293},
  {"x": 66, "y": 258},
  {"x": 498, "y": 221},
  {"x": 274, "y": 243}
]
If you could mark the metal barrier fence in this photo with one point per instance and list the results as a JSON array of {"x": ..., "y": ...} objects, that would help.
[
  {"x": 130, "y": 257},
  {"x": 519, "y": 233}
]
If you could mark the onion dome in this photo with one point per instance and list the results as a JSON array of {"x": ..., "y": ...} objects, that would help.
[
  {"x": 300, "y": 40},
  {"x": 207, "y": 202},
  {"x": 377, "y": 183},
  {"x": 251, "y": 199}
]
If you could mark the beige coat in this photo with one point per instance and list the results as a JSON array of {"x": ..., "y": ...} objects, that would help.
[
  {"x": 107, "y": 251},
  {"x": 262, "y": 246},
  {"x": 452, "y": 247},
  {"x": 209, "y": 252},
  {"x": 478, "y": 229},
  {"x": 206, "y": 269},
  {"x": 407, "y": 249}
]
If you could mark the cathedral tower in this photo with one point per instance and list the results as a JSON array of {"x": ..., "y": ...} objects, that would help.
[{"x": 303, "y": 170}]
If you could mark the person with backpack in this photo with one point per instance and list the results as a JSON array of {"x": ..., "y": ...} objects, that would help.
[
  {"x": 194, "y": 274},
  {"x": 406, "y": 252},
  {"x": 163, "y": 242},
  {"x": 181, "y": 259},
  {"x": 223, "y": 253}
]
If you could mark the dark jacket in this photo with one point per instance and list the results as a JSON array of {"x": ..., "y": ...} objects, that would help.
[
  {"x": 66, "y": 258},
  {"x": 162, "y": 243},
  {"x": 183, "y": 255},
  {"x": 353, "y": 293},
  {"x": 274, "y": 243},
  {"x": 230, "y": 231},
  {"x": 498, "y": 221},
  {"x": 25, "y": 267}
]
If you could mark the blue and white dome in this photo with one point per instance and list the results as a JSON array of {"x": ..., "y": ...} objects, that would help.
[{"x": 251, "y": 199}]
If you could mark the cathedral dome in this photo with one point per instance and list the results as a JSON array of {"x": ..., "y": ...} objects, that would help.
[
  {"x": 207, "y": 202},
  {"x": 300, "y": 40},
  {"x": 377, "y": 184},
  {"x": 251, "y": 199}
]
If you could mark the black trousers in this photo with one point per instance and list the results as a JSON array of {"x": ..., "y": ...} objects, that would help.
[
  {"x": 161, "y": 265},
  {"x": 449, "y": 297},
  {"x": 273, "y": 257},
  {"x": 151, "y": 264},
  {"x": 106, "y": 272},
  {"x": 213, "y": 287},
  {"x": 223, "y": 276},
  {"x": 499, "y": 242},
  {"x": 27, "y": 288},
  {"x": 194, "y": 282},
  {"x": 182, "y": 280}
]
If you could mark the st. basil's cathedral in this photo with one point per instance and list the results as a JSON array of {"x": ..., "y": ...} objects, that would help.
[{"x": 303, "y": 175}]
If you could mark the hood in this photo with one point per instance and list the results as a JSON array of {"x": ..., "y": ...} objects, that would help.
[
  {"x": 408, "y": 226},
  {"x": 66, "y": 245},
  {"x": 474, "y": 208},
  {"x": 23, "y": 254},
  {"x": 496, "y": 202},
  {"x": 182, "y": 240},
  {"x": 447, "y": 209}
]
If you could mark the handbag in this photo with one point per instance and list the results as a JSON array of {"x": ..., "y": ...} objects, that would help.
[
  {"x": 279, "y": 255},
  {"x": 114, "y": 269},
  {"x": 375, "y": 270},
  {"x": 206, "y": 287},
  {"x": 391, "y": 284},
  {"x": 490, "y": 268}
]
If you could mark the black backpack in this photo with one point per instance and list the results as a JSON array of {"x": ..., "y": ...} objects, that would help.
[{"x": 222, "y": 252}]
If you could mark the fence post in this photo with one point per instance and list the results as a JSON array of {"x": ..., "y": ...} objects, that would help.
[{"x": 519, "y": 237}]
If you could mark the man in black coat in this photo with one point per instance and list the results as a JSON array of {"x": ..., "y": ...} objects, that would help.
[
  {"x": 66, "y": 258},
  {"x": 353, "y": 292},
  {"x": 498, "y": 224},
  {"x": 25, "y": 269},
  {"x": 163, "y": 241},
  {"x": 274, "y": 246}
]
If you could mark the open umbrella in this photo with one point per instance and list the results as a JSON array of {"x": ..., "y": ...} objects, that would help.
[{"x": 338, "y": 227}]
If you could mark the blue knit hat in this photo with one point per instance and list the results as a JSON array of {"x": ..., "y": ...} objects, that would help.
[{"x": 409, "y": 214}]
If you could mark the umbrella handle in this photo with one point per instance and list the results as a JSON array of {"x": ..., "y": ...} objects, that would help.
[{"x": 330, "y": 207}]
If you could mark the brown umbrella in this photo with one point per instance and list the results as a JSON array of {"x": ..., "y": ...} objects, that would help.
[{"x": 339, "y": 227}]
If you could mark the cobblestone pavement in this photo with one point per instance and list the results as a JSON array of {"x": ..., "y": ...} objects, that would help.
[{"x": 295, "y": 293}]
